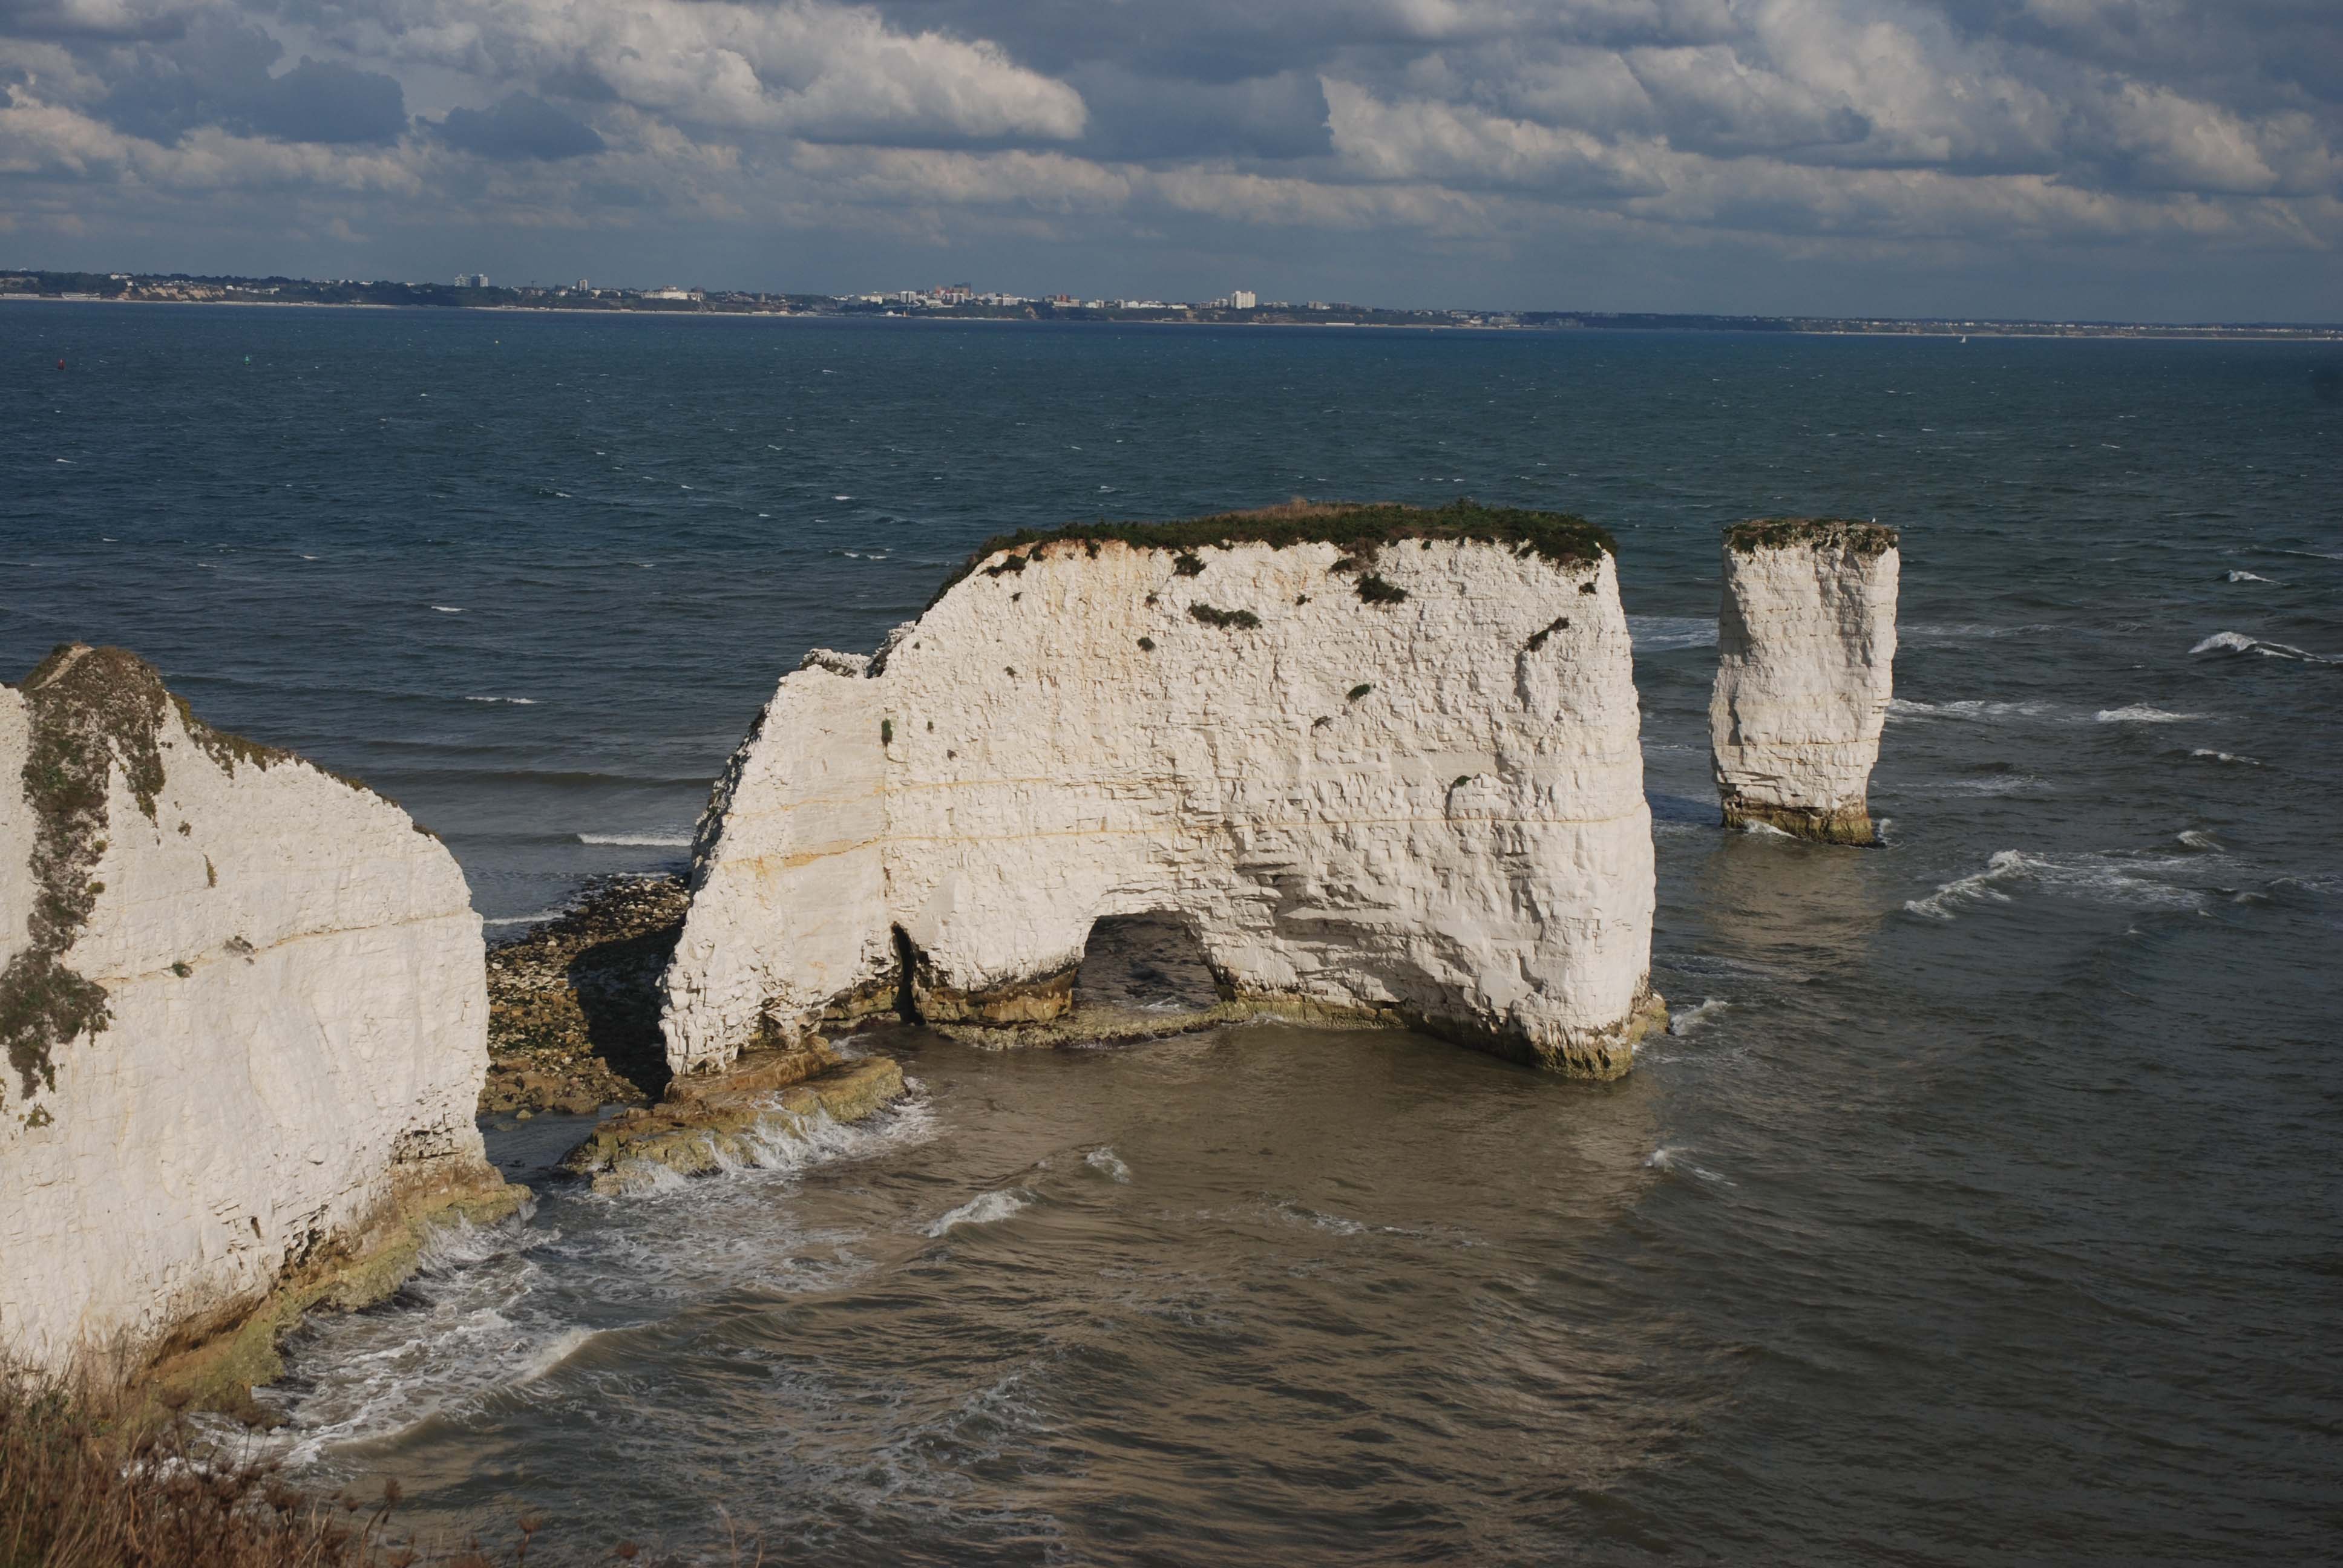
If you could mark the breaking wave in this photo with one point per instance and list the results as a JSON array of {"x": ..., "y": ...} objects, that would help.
[
  {"x": 2140, "y": 713},
  {"x": 1693, "y": 1017},
  {"x": 2207, "y": 754},
  {"x": 1665, "y": 633},
  {"x": 984, "y": 1209},
  {"x": 639, "y": 841},
  {"x": 1672, "y": 1160},
  {"x": 1108, "y": 1163},
  {"x": 2112, "y": 878},
  {"x": 1977, "y": 708},
  {"x": 2246, "y": 577},
  {"x": 2239, "y": 643}
]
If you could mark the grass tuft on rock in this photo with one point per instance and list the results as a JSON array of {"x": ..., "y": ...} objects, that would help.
[
  {"x": 1244, "y": 620},
  {"x": 1374, "y": 589},
  {"x": 1866, "y": 539}
]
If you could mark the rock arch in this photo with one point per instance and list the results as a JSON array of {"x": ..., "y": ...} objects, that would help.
[{"x": 1386, "y": 764}]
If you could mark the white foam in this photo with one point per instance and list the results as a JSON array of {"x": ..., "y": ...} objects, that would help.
[
  {"x": 2239, "y": 643},
  {"x": 2140, "y": 713},
  {"x": 2196, "y": 839},
  {"x": 1764, "y": 830},
  {"x": 2121, "y": 880},
  {"x": 448, "y": 608},
  {"x": 1999, "y": 784},
  {"x": 2209, "y": 755},
  {"x": 1662, "y": 633},
  {"x": 639, "y": 841},
  {"x": 1978, "y": 709},
  {"x": 2007, "y": 865},
  {"x": 516, "y": 701},
  {"x": 1671, "y": 1159},
  {"x": 1108, "y": 1163},
  {"x": 2246, "y": 577},
  {"x": 523, "y": 919},
  {"x": 984, "y": 1209},
  {"x": 1691, "y": 1019}
]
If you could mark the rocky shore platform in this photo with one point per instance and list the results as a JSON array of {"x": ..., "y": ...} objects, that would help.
[
  {"x": 718, "y": 1121},
  {"x": 574, "y": 1004}
]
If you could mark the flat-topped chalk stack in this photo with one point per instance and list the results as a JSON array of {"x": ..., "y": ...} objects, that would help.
[
  {"x": 1384, "y": 763},
  {"x": 1805, "y": 664},
  {"x": 244, "y": 1014}
]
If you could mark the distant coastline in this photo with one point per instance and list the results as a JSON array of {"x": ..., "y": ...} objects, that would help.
[{"x": 179, "y": 288}]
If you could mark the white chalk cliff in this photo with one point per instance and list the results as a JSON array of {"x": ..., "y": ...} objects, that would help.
[
  {"x": 1386, "y": 777},
  {"x": 244, "y": 1013},
  {"x": 1805, "y": 665}
]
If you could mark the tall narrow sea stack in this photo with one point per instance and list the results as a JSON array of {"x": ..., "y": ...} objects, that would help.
[
  {"x": 1805, "y": 664},
  {"x": 245, "y": 1015},
  {"x": 1385, "y": 764}
]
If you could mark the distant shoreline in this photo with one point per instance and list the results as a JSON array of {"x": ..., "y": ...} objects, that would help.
[{"x": 1785, "y": 326}]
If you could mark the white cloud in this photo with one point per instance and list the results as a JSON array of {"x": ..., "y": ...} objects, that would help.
[{"x": 832, "y": 72}]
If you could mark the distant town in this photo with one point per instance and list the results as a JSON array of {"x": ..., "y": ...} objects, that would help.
[{"x": 1238, "y": 307}]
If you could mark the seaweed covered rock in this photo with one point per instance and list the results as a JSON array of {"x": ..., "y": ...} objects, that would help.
[
  {"x": 744, "y": 1115},
  {"x": 244, "y": 1023},
  {"x": 1384, "y": 764},
  {"x": 1805, "y": 665}
]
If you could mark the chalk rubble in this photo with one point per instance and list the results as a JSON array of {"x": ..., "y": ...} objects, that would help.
[
  {"x": 1805, "y": 665},
  {"x": 246, "y": 1016},
  {"x": 1425, "y": 810}
]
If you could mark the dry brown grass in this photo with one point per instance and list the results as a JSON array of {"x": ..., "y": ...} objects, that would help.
[{"x": 81, "y": 1490}]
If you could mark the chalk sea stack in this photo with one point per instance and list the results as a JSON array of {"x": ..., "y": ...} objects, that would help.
[
  {"x": 1382, "y": 763},
  {"x": 1805, "y": 665},
  {"x": 244, "y": 1017}
]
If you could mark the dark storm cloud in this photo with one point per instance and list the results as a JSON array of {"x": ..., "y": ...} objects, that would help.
[
  {"x": 217, "y": 73},
  {"x": 522, "y": 126}
]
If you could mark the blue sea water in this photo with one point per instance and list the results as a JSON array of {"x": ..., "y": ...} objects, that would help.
[{"x": 1983, "y": 1208}]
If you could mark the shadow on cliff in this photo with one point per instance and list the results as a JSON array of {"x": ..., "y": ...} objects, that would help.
[
  {"x": 617, "y": 983},
  {"x": 574, "y": 1004}
]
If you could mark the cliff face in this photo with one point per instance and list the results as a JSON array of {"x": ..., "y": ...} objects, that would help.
[
  {"x": 1400, "y": 781},
  {"x": 1805, "y": 664},
  {"x": 244, "y": 1014}
]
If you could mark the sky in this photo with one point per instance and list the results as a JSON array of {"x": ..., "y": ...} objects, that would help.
[{"x": 2108, "y": 159}]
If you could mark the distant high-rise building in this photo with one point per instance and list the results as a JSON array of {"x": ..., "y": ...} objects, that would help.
[
  {"x": 585, "y": 287},
  {"x": 1244, "y": 299}
]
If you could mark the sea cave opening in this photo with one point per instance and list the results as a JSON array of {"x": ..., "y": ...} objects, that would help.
[{"x": 1145, "y": 963}]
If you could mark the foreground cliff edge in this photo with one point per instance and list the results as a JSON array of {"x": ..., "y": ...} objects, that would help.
[
  {"x": 246, "y": 1018},
  {"x": 1384, "y": 764},
  {"x": 1806, "y": 666}
]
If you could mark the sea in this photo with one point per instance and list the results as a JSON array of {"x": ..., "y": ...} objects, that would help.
[{"x": 1981, "y": 1205}]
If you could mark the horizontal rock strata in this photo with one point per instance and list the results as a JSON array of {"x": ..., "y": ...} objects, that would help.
[
  {"x": 1805, "y": 665},
  {"x": 1382, "y": 765},
  {"x": 244, "y": 1019}
]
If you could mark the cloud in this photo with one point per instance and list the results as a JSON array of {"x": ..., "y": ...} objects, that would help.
[
  {"x": 522, "y": 126},
  {"x": 324, "y": 102},
  {"x": 1416, "y": 142}
]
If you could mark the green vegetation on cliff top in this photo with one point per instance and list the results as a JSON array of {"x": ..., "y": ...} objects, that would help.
[
  {"x": 1358, "y": 527},
  {"x": 1780, "y": 533}
]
